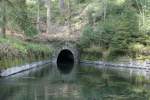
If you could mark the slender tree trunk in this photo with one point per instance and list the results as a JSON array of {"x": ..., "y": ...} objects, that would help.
[
  {"x": 62, "y": 7},
  {"x": 143, "y": 13},
  {"x": 105, "y": 8},
  {"x": 4, "y": 19},
  {"x": 49, "y": 16},
  {"x": 140, "y": 13},
  {"x": 69, "y": 17},
  {"x": 38, "y": 16}
]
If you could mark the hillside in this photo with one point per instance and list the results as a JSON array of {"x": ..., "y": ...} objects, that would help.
[{"x": 102, "y": 29}]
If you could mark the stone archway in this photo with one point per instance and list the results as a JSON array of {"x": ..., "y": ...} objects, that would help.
[
  {"x": 65, "y": 61},
  {"x": 65, "y": 56}
]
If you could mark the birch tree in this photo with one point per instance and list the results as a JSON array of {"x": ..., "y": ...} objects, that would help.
[
  {"x": 105, "y": 8},
  {"x": 49, "y": 29},
  {"x": 38, "y": 16},
  {"x": 62, "y": 7}
]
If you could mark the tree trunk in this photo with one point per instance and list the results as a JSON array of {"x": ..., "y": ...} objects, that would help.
[
  {"x": 62, "y": 7},
  {"x": 69, "y": 17},
  {"x": 49, "y": 16},
  {"x": 38, "y": 17},
  {"x": 140, "y": 13},
  {"x": 105, "y": 8},
  {"x": 4, "y": 19}
]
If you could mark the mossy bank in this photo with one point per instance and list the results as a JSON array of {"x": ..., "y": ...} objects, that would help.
[{"x": 14, "y": 51}]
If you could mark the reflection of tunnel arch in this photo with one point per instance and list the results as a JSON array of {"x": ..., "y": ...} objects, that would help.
[{"x": 65, "y": 61}]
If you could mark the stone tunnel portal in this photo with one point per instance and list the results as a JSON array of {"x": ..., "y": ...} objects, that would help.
[{"x": 65, "y": 61}]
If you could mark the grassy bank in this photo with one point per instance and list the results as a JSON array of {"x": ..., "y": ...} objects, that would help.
[
  {"x": 15, "y": 51},
  {"x": 93, "y": 53}
]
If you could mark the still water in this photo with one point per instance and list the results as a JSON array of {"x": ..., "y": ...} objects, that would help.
[{"x": 85, "y": 83}]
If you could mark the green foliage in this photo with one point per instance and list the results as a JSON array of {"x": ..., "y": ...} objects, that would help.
[
  {"x": 92, "y": 36},
  {"x": 21, "y": 18},
  {"x": 81, "y": 1},
  {"x": 30, "y": 30},
  {"x": 94, "y": 12},
  {"x": 15, "y": 51},
  {"x": 87, "y": 37},
  {"x": 21, "y": 48},
  {"x": 18, "y": 19},
  {"x": 91, "y": 53},
  {"x": 117, "y": 32}
]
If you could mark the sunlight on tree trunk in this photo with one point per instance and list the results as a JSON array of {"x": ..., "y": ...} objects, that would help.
[
  {"x": 38, "y": 16},
  {"x": 49, "y": 16},
  {"x": 140, "y": 13}
]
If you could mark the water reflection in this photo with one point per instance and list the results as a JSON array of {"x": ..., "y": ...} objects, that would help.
[
  {"x": 65, "y": 68},
  {"x": 89, "y": 83}
]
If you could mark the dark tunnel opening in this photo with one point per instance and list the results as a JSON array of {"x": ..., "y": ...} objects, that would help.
[{"x": 65, "y": 61}]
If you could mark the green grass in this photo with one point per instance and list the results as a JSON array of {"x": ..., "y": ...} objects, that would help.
[
  {"x": 95, "y": 53},
  {"x": 14, "y": 51},
  {"x": 92, "y": 53}
]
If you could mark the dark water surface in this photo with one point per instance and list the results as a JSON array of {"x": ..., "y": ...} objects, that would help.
[{"x": 86, "y": 83}]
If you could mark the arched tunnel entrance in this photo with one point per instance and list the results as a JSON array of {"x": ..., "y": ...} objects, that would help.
[{"x": 65, "y": 61}]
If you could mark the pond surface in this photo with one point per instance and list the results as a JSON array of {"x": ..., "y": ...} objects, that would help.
[{"x": 86, "y": 83}]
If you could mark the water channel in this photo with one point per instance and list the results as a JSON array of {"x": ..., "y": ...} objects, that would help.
[{"x": 85, "y": 82}]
